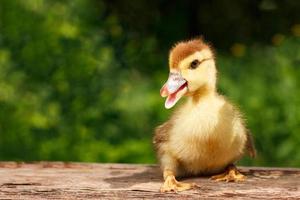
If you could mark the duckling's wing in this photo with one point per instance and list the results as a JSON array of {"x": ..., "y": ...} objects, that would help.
[
  {"x": 250, "y": 145},
  {"x": 161, "y": 134}
]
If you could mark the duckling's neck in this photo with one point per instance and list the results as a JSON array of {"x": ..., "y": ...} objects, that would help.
[{"x": 203, "y": 93}]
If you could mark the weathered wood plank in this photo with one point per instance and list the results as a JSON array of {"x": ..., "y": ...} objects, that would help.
[{"x": 58, "y": 180}]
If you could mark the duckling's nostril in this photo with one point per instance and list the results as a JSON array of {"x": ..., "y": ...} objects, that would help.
[{"x": 174, "y": 82}]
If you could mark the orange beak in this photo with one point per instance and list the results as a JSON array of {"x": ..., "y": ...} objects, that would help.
[{"x": 173, "y": 89}]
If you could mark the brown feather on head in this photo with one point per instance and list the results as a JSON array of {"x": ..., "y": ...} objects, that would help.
[
  {"x": 192, "y": 67},
  {"x": 185, "y": 48}
]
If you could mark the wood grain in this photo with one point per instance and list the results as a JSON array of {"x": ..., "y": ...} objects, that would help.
[{"x": 58, "y": 180}]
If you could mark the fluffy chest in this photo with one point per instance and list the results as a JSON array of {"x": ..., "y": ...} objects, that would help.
[
  {"x": 197, "y": 135},
  {"x": 197, "y": 123},
  {"x": 202, "y": 140}
]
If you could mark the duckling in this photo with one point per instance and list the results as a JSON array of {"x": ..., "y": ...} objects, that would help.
[{"x": 207, "y": 134}]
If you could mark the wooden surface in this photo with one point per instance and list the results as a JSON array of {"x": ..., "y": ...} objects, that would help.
[{"x": 57, "y": 180}]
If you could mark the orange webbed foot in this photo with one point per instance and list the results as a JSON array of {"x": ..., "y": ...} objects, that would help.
[
  {"x": 172, "y": 185},
  {"x": 230, "y": 175}
]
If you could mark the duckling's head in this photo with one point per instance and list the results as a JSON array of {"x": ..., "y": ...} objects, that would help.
[{"x": 192, "y": 71}]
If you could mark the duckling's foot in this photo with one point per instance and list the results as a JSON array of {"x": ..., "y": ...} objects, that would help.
[
  {"x": 230, "y": 175},
  {"x": 172, "y": 185}
]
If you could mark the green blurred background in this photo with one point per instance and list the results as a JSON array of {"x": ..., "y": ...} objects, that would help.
[{"x": 80, "y": 79}]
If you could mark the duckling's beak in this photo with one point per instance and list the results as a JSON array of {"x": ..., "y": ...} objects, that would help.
[{"x": 173, "y": 89}]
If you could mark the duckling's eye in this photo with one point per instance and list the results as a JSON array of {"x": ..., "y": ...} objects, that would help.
[{"x": 194, "y": 64}]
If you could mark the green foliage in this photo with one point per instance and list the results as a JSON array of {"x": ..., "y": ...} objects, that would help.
[
  {"x": 77, "y": 84},
  {"x": 265, "y": 84}
]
